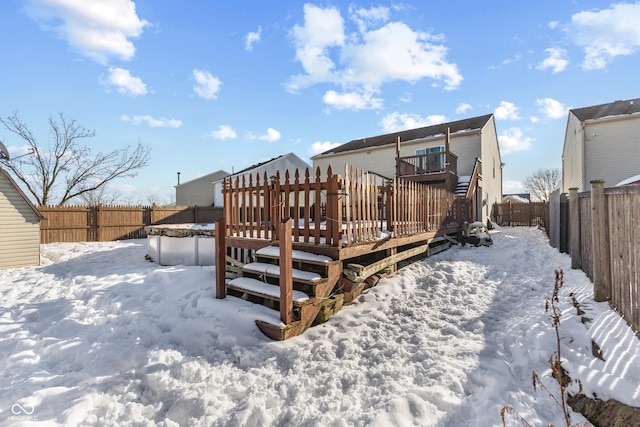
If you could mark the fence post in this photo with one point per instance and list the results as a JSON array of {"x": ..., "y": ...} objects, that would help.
[
  {"x": 221, "y": 261},
  {"x": 286, "y": 278},
  {"x": 600, "y": 236},
  {"x": 574, "y": 215},
  {"x": 98, "y": 228}
]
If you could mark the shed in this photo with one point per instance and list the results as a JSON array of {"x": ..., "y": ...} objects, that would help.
[
  {"x": 19, "y": 226},
  {"x": 198, "y": 191}
]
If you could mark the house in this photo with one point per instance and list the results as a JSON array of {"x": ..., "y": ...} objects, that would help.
[
  {"x": 602, "y": 142},
  {"x": 516, "y": 198},
  {"x": 462, "y": 155},
  {"x": 286, "y": 162},
  {"x": 19, "y": 226},
  {"x": 198, "y": 191}
]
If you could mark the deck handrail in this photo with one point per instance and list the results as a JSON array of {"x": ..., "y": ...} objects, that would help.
[
  {"x": 476, "y": 175},
  {"x": 429, "y": 163},
  {"x": 335, "y": 210}
]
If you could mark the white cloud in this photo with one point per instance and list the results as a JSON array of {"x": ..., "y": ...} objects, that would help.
[
  {"x": 19, "y": 150},
  {"x": 394, "y": 122},
  {"x": 153, "y": 122},
  {"x": 606, "y": 33},
  {"x": 224, "y": 132},
  {"x": 352, "y": 101},
  {"x": 272, "y": 135},
  {"x": 252, "y": 38},
  {"x": 320, "y": 147},
  {"x": 557, "y": 60},
  {"x": 367, "y": 17},
  {"x": 551, "y": 108},
  {"x": 396, "y": 52},
  {"x": 511, "y": 187},
  {"x": 507, "y": 111},
  {"x": 513, "y": 140},
  {"x": 406, "y": 97},
  {"x": 323, "y": 28},
  {"x": 463, "y": 107},
  {"x": 367, "y": 58},
  {"x": 97, "y": 29},
  {"x": 207, "y": 86},
  {"x": 124, "y": 82}
]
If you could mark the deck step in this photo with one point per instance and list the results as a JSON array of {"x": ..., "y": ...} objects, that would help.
[
  {"x": 265, "y": 290},
  {"x": 273, "y": 252},
  {"x": 273, "y": 270}
]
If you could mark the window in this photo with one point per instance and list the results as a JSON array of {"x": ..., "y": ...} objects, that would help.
[{"x": 435, "y": 158}]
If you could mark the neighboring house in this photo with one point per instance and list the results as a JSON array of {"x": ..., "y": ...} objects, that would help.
[
  {"x": 516, "y": 198},
  {"x": 464, "y": 152},
  {"x": 19, "y": 226},
  {"x": 287, "y": 162},
  {"x": 602, "y": 142},
  {"x": 198, "y": 191}
]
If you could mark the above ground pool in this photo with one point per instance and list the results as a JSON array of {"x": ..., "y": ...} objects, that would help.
[{"x": 181, "y": 244}]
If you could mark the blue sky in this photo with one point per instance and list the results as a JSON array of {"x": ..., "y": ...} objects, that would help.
[{"x": 223, "y": 85}]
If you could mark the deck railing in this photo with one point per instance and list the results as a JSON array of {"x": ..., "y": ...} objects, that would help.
[
  {"x": 337, "y": 210},
  {"x": 426, "y": 164}
]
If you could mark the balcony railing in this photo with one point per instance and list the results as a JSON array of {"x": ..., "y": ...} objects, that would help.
[{"x": 428, "y": 164}]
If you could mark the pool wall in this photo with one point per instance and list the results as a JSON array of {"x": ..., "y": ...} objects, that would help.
[{"x": 181, "y": 244}]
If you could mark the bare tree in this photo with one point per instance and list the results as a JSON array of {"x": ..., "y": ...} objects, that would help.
[
  {"x": 63, "y": 169},
  {"x": 101, "y": 196},
  {"x": 542, "y": 183}
]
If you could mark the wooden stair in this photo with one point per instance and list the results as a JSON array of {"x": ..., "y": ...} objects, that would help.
[{"x": 314, "y": 279}]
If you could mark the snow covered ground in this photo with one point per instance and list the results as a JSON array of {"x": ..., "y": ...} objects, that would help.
[{"x": 98, "y": 336}]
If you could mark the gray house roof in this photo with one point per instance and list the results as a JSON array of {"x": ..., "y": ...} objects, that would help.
[
  {"x": 212, "y": 177},
  {"x": 411, "y": 134},
  {"x": 20, "y": 193},
  {"x": 616, "y": 108},
  {"x": 281, "y": 163}
]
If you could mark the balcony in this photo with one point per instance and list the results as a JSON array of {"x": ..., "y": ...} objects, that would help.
[{"x": 430, "y": 168}]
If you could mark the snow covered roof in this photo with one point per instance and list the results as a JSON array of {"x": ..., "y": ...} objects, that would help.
[
  {"x": 212, "y": 177},
  {"x": 474, "y": 123},
  {"x": 631, "y": 180},
  {"x": 281, "y": 163},
  {"x": 515, "y": 198},
  {"x": 616, "y": 108}
]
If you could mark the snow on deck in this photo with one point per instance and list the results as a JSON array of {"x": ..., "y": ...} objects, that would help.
[
  {"x": 274, "y": 270},
  {"x": 298, "y": 255},
  {"x": 253, "y": 285}
]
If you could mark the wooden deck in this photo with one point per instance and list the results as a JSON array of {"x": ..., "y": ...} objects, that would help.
[{"x": 345, "y": 231}]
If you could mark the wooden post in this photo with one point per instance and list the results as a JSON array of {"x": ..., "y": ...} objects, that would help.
[
  {"x": 398, "y": 156},
  {"x": 286, "y": 275},
  {"x": 600, "y": 236},
  {"x": 447, "y": 141},
  {"x": 98, "y": 224},
  {"x": 221, "y": 263},
  {"x": 574, "y": 213}
]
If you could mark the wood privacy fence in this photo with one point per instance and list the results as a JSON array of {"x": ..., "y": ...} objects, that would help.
[
  {"x": 106, "y": 223},
  {"x": 337, "y": 210},
  {"x": 604, "y": 241},
  {"x": 521, "y": 214}
]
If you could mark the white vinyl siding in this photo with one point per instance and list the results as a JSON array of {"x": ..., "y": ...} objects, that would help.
[
  {"x": 572, "y": 156},
  {"x": 19, "y": 229},
  {"x": 378, "y": 160},
  {"x": 491, "y": 168},
  {"x": 612, "y": 150}
]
